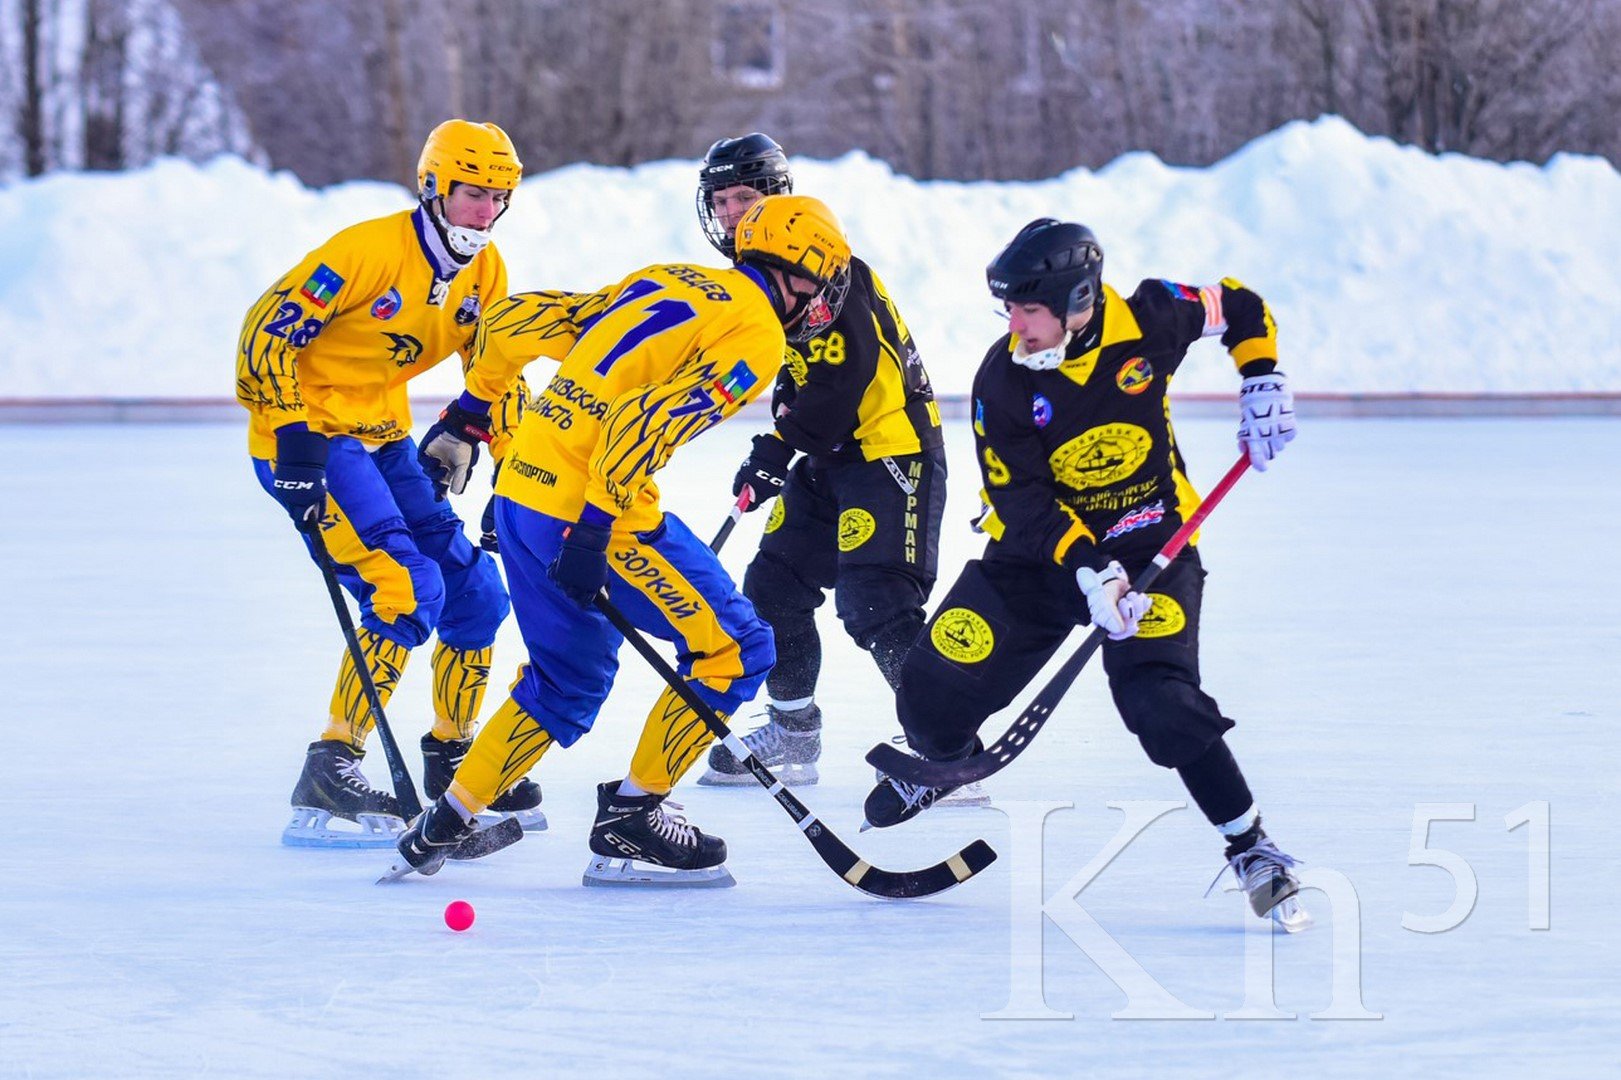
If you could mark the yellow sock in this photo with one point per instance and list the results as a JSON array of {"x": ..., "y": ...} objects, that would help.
[
  {"x": 350, "y": 717},
  {"x": 672, "y": 740},
  {"x": 507, "y": 747},
  {"x": 459, "y": 679}
]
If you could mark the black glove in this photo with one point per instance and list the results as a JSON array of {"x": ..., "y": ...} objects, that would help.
[
  {"x": 301, "y": 475},
  {"x": 765, "y": 470},
  {"x": 581, "y": 566},
  {"x": 449, "y": 450}
]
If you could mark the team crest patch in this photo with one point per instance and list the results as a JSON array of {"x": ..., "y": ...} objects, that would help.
[
  {"x": 1102, "y": 456},
  {"x": 1140, "y": 518},
  {"x": 774, "y": 522},
  {"x": 962, "y": 635},
  {"x": 856, "y": 527},
  {"x": 387, "y": 306},
  {"x": 1165, "y": 618},
  {"x": 468, "y": 313},
  {"x": 322, "y": 286},
  {"x": 1134, "y": 375},
  {"x": 735, "y": 383},
  {"x": 1041, "y": 411}
]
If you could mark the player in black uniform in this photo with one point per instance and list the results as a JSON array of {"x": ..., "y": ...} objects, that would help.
[
  {"x": 1083, "y": 484},
  {"x": 859, "y": 512}
]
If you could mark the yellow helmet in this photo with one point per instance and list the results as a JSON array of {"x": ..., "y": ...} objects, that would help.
[
  {"x": 465, "y": 152},
  {"x": 795, "y": 233}
]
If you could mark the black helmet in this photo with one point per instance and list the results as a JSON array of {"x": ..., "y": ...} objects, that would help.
[
  {"x": 1051, "y": 262},
  {"x": 754, "y": 160}
]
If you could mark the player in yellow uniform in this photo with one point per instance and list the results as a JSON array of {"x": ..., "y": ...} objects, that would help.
[
  {"x": 650, "y": 362},
  {"x": 321, "y": 367}
]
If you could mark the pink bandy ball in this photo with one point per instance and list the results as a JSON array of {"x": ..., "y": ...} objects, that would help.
[{"x": 459, "y": 915}]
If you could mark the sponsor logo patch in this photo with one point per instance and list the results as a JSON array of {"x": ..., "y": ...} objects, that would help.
[
  {"x": 962, "y": 635},
  {"x": 322, "y": 286},
  {"x": 1102, "y": 456},
  {"x": 1140, "y": 518},
  {"x": 387, "y": 306},
  {"x": 774, "y": 522},
  {"x": 467, "y": 314},
  {"x": 1134, "y": 375},
  {"x": 1041, "y": 411},
  {"x": 856, "y": 527},
  {"x": 1165, "y": 618}
]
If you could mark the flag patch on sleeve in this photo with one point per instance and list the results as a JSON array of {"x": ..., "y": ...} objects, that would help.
[
  {"x": 322, "y": 286},
  {"x": 735, "y": 383}
]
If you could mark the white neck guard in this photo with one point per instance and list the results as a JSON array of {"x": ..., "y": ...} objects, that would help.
[{"x": 1046, "y": 359}]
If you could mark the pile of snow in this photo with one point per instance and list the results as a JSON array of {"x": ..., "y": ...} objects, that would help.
[{"x": 1388, "y": 270}]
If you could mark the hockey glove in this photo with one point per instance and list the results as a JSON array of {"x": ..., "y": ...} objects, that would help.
[
  {"x": 449, "y": 450},
  {"x": 765, "y": 470},
  {"x": 1114, "y": 606},
  {"x": 581, "y": 566},
  {"x": 301, "y": 475},
  {"x": 1267, "y": 417}
]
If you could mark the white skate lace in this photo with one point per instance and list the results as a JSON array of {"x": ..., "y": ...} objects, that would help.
[
  {"x": 764, "y": 742},
  {"x": 914, "y": 795},
  {"x": 673, "y": 827},
  {"x": 349, "y": 774},
  {"x": 1255, "y": 866}
]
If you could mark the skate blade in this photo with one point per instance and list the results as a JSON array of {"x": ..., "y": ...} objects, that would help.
[
  {"x": 971, "y": 795},
  {"x": 790, "y": 775},
  {"x": 311, "y": 828},
  {"x": 1291, "y": 916},
  {"x": 632, "y": 874},
  {"x": 528, "y": 820},
  {"x": 397, "y": 870}
]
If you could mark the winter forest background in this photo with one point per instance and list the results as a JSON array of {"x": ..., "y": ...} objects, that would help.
[{"x": 344, "y": 89}]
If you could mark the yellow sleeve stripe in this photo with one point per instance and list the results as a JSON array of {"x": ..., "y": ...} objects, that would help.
[
  {"x": 1254, "y": 349},
  {"x": 1077, "y": 531}
]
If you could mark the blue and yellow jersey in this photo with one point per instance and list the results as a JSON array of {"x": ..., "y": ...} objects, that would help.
[
  {"x": 334, "y": 341},
  {"x": 647, "y": 364}
]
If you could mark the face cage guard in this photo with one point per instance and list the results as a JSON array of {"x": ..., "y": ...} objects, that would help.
[
  {"x": 714, "y": 231},
  {"x": 821, "y": 310}
]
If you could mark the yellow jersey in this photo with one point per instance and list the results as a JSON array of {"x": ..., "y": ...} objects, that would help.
[
  {"x": 335, "y": 339},
  {"x": 646, "y": 365}
]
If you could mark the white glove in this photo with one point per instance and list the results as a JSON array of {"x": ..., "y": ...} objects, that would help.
[
  {"x": 1267, "y": 417},
  {"x": 1114, "y": 606}
]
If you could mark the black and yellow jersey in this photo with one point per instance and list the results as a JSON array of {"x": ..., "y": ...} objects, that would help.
[
  {"x": 333, "y": 342},
  {"x": 858, "y": 389},
  {"x": 1082, "y": 459}
]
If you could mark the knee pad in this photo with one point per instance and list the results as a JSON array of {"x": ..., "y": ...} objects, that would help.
[
  {"x": 778, "y": 594},
  {"x": 476, "y": 601},
  {"x": 870, "y": 599},
  {"x": 1174, "y": 720}
]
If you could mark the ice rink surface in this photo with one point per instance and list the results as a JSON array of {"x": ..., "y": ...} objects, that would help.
[{"x": 1399, "y": 614}]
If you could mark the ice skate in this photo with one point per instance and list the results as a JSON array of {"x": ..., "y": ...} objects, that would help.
[
  {"x": 331, "y": 786},
  {"x": 429, "y": 841},
  {"x": 971, "y": 794},
  {"x": 1264, "y": 873},
  {"x": 789, "y": 743},
  {"x": 636, "y": 842},
  {"x": 894, "y": 801},
  {"x": 441, "y": 758}
]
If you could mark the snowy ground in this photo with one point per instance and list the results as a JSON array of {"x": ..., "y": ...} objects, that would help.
[
  {"x": 1399, "y": 613},
  {"x": 1388, "y": 270}
]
